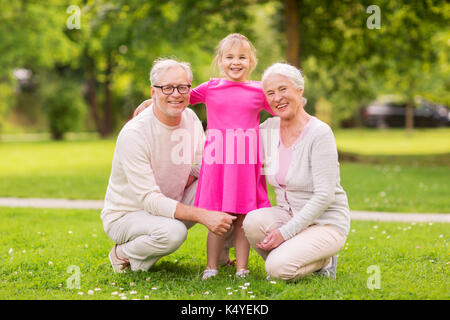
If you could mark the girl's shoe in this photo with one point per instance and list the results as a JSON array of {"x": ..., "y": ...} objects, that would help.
[
  {"x": 242, "y": 273},
  {"x": 209, "y": 273}
]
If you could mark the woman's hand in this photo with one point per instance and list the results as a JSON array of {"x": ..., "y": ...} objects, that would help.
[
  {"x": 271, "y": 241},
  {"x": 142, "y": 107}
]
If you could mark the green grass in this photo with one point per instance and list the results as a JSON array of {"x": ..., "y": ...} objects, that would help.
[
  {"x": 396, "y": 188},
  {"x": 68, "y": 169},
  {"x": 39, "y": 245},
  {"x": 394, "y": 141}
]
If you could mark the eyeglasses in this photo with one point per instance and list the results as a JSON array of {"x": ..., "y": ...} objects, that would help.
[{"x": 168, "y": 90}]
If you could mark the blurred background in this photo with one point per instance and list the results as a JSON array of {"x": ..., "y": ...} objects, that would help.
[
  {"x": 83, "y": 66},
  {"x": 72, "y": 72}
]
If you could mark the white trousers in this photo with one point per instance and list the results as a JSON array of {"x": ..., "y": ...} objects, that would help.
[
  {"x": 308, "y": 251},
  {"x": 145, "y": 238}
]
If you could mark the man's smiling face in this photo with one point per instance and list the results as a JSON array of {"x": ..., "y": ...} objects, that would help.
[{"x": 168, "y": 108}]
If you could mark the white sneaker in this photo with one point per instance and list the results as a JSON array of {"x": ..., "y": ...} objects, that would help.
[
  {"x": 329, "y": 271},
  {"x": 242, "y": 273},
  {"x": 209, "y": 273},
  {"x": 119, "y": 265}
]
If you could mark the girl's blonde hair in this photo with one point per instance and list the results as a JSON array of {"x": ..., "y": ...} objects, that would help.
[{"x": 231, "y": 40}]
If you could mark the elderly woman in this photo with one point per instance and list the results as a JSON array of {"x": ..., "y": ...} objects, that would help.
[{"x": 310, "y": 223}]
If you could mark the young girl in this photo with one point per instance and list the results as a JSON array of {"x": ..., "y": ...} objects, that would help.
[{"x": 230, "y": 178}]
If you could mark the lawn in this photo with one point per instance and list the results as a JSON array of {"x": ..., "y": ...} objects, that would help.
[
  {"x": 412, "y": 259},
  {"x": 394, "y": 141}
]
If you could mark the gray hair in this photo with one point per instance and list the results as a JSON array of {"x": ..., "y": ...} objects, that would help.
[
  {"x": 161, "y": 65},
  {"x": 292, "y": 73}
]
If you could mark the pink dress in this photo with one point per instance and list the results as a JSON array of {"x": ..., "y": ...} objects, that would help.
[{"x": 231, "y": 177}]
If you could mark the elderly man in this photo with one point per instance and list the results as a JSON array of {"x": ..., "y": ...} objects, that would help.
[{"x": 148, "y": 203}]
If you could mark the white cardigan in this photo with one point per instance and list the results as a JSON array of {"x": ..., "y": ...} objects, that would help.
[{"x": 313, "y": 193}]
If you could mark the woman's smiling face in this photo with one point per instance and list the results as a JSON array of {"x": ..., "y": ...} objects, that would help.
[
  {"x": 235, "y": 62},
  {"x": 283, "y": 97}
]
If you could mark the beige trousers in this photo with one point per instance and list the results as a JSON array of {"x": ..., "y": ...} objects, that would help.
[
  {"x": 145, "y": 238},
  {"x": 308, "y": 251}
]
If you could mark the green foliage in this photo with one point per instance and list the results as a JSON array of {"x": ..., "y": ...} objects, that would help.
[{"x": 63, "y": 105}]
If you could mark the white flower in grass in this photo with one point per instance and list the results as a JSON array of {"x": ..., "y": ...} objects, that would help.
[
  {"x": 131, "y": 284},
  {"x": 228, "y": 288},
  {"x": 50, "y": 263},
  {"x": 252, "y": 296},
  {"x": 230, "y": 293},
  {"x": 113, "y": 284},
  {"x": 115, "y": 293},
  {"x": 273, "y": 282},
  {"x": 10, "y": 250},
  {"x": 97, "y": 289},
  {"x": 247, "y": 284},
  {"x": 147, "y": 279},
  {"x": 81, "y": 293},
  {"x": 388, "y": 237},
  {"x": 375, "y": 227},
  {"x": 123, "y": 297},
  {"x": 91, "y": 292},
  {"x": 146, "y": 297},
  {"x": 133, "y": 292},
  {"x": 430, "y": 224},
  {"x": 70, "y": 231},
  {"x": 383, "y": 232},
  {"x": 353, "y": 230},
  {"x": 154, "y": 288},
  {"x": 24, "y": 251},
  {"x": 371, "y": 238},
  {"x": 441, "y": 236},
  {"x": 206, "y": 292}
]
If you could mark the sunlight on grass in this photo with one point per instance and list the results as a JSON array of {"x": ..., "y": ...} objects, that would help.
[{"x": 394, "y": 141}]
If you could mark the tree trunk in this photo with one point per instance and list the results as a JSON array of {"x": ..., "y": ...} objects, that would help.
[
  {"x": 92, "y": 93},
  {"x": 107, "y": 108},
  {"x": 409, "y": 117},
  {"x": 292, "y": 32}
]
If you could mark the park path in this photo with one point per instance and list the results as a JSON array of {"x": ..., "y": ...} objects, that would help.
[{"x": 98, "y": 204}]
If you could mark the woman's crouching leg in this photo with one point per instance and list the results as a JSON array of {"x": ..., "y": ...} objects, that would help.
[
  {"x": 258, "y": 223},
  {"x": 307, "y": 252}
]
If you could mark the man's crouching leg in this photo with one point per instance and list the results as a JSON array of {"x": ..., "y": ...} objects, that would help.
[{"x": 143, "y": 238}]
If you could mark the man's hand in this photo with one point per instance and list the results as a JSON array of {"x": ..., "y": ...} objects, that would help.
[
  {"x": 271, "y": 241},
  {"x": 217, "y": 222},
  {"x": 142, "y": 106},
  {"x": 190, "y": 180}
]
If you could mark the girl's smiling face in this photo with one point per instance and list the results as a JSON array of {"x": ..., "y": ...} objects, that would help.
[{"x": 235, "y": 62}]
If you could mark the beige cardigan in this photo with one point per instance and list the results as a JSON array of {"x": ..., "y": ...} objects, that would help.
[{"x": 313, "y": 192}]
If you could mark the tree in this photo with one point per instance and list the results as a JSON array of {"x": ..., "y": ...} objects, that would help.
[{"x": 337, "y": 44}]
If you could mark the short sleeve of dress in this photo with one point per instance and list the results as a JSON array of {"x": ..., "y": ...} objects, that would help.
[
  {"x": 198, "y": 94},
  {"x": 266, "y": 105}
]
